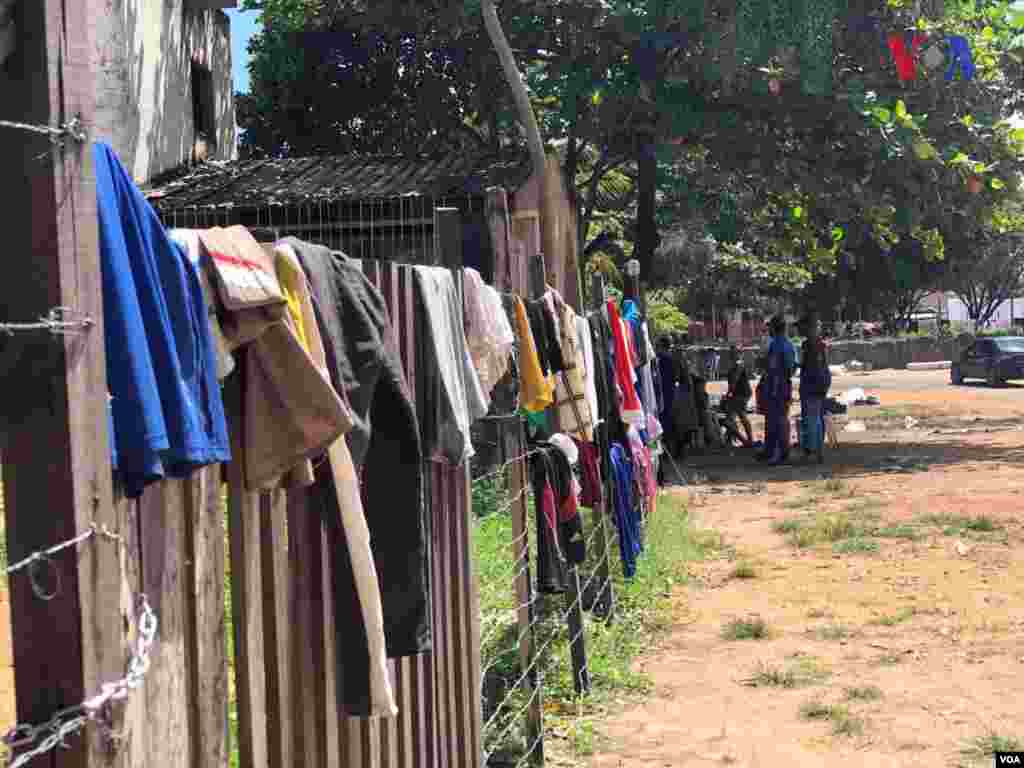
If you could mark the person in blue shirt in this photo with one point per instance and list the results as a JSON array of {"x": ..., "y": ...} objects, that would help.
[{"x": 778, "y": 393}]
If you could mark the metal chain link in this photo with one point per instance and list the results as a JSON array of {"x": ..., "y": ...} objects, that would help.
[{"x": 74, "y": 719}]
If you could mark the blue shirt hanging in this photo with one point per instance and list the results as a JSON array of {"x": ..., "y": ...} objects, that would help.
[
  {"x": 960, "y": 56},
  {"x": 167, "y": 419}
]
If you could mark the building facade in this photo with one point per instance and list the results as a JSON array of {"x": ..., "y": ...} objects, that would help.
[{"x": 164, "y": 94}]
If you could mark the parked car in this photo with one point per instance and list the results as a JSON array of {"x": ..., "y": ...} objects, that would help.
[{"x": 996, "y": 360}]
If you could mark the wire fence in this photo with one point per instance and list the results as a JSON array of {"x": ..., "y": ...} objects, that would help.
[{"x": 526, "y": 635}]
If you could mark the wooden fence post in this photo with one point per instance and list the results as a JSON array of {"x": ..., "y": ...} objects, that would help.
[
  {"x": 466, "y": 616},
  {"x": 57, "y": 475},
  {"x": 525, "y": 613},
  {"x": 605, "y": 603},
  {"x": 581, "y": 675}
]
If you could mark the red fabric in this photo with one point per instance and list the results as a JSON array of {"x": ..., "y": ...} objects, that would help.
[
  {"x": 568, "y": 509},
  {"x": 906, "y": 66},
  {"x": 548, "y": 508},
  {"x": 623, "y": 373},
  {"x": 590, "y": 475}
]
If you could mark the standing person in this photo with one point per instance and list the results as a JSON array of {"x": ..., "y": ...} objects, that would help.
[
  {"x": 778, "y": 392},
  {"x": 815, "y": 380},
  {"x": 738, "y": 394},
  {"x": 667, "y": 376},
  {"x": 684, "y": 407}
]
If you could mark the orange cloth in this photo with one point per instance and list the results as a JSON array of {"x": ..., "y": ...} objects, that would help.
[{"x": 536, "y": 392}]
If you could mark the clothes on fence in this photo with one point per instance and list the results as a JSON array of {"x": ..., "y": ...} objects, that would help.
[
  {"x": 600, "y": 335},
  {"x": 189, "y": 240},
  {"x": 536, "y": 389},
  {"x": 574, "y": 416},
  {"x": 643, "y": 465},
  {"x": 627, "y": 520},
  {"x": 542, "y": 327},
  {"x": 385, "y": 441},
  {"x": 667, "y": 373},
  {"x": 583, "y": 333},
  {"x": 591, "y": 490},
  {"x": 551, "y": 576},
  {"x": 568, "y": 446},
  {"x": 570, "y": 526},
  {"x": 289, "y": 413},
  {"x": 488, "y": 333},
  {"x": 457, "y": 400},
  {"x": 167, "y": 412},
  {"x": 505, "y": 395},
  {"x": 625, "y": 375}
]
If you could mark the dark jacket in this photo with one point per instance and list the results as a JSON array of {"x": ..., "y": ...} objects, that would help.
[
  {"x": 365, "y": 366},
  {"x": 815, "y": 376}
]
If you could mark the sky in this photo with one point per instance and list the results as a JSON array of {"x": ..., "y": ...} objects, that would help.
[{"x": 243, "y": 26}]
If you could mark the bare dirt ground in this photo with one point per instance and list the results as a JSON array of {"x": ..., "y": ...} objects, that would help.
[{"x": 895, "y": 640}]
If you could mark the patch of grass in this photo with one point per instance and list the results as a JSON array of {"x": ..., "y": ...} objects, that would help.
[
  {"x": 788, "y": 525},
  {"x": 803, "y": 502},
  {"x": 897, "y": 618},
  {"x": 986, "y": 746},
  {"x": 855, "y": 546},
  {"x": 865, "y": 508},
  {"x": 750, "y": 628},
  {"x": 834, "y": 632},
  {"x": 800, "y": 671},
  {"x": 835, "y": 487},
  {"x": 644, "y": 610},
  {"x": 888, "y": 660},
  {"x": 744, "y": 570},
  {"x": 898, "y": 532},
  {"x": 956, "y": 525},
  {"x": 843, "y": 723},
  {"x": 864, "y": 693}
]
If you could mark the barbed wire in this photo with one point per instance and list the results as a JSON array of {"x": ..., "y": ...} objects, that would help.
[
  {"x": 74, "y": 129},
  {"x": 44, "y": 557},
  {"x": 54, "y": 733},
  {"x": 502, "y": 467},
  {"x": 56, "y": 322}
]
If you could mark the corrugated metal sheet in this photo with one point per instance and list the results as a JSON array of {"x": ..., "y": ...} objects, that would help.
[{"x": 330, "y": 178}]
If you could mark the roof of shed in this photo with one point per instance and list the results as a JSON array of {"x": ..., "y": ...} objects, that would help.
[{"x": 329, "y": 178}]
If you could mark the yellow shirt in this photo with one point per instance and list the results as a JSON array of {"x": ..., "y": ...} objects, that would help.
[{"x": 536, "y": 392}]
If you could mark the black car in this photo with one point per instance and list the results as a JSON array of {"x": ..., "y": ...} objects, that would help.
[{"x": 996, "y": 360}]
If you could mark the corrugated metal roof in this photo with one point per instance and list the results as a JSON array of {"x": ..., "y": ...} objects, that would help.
[{"x": 334, "y": 178}]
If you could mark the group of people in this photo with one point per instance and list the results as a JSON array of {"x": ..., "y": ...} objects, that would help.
[{"x": 689, "y": 422}]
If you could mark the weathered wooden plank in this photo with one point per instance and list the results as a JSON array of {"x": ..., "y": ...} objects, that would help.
[
  {"x": 209, "y": 666},
  {"x": 246, "y": 602},
  {"x": 276, "y": 626},
  {"x": 445, "y": 654},
  {"x": 131, "y": 720},
  {"x": 332, "y": 722},
  {"x": 524, "y": 597},
  {"x": 56, "y": 470},
  {"x": 165, "y": 581},
  {"x": 307, "y": 596}
]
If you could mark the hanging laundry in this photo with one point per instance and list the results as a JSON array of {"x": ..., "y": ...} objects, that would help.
[
  {"x": 583, "y": 333},
  {"x": 570, "y": 526},
  {"x": 591, "y": 490},
  {"x": 904, "y": 54},
  {"x": 551, "y": 576},
  {"x": 536, "y": 389},
  {"x": 600, "y": 336},
  {"x": 644, "y": 466},
  {"x": 632, "y": 411},
  {"x": 542, "y": 326},
  {"x": 626, "y": 518},
  {"x": 451, "y": 399},
  {"x": 505, "y": 395},
  {"x": 488, "y": 333},
  {"x": 934, "y": 57},
  {"x": 288, "y": 412},
  {"x": 960, "y": 59},
  {"x": 189, "y": 240},
  {"x": 573, "y": 410},
  {"x": 166, "y": 411},
  {"x": 385, "y": 440}
]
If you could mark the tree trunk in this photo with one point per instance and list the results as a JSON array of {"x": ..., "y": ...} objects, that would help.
[
  {"x": 515, "y": 83},
  {"x": 646, "y": 224}
]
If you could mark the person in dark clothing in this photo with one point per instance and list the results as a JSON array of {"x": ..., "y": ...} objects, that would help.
[
  {"x": 667, "y": 379},
  {"x": 815, "y": 381},
  {"x": 738, "y": 396},
  {"x": 776, "y": 393}
]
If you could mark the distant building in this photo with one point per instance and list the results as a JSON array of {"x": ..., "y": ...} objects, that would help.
[
  {"x": 164, "y": 94},
  {"x": 947, "y": 307}
]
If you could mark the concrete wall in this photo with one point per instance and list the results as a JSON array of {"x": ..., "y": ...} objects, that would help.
[{"x": 145, "y": 50}]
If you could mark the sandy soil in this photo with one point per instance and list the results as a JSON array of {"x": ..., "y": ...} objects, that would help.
[{"x": 936, "y": 624}]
